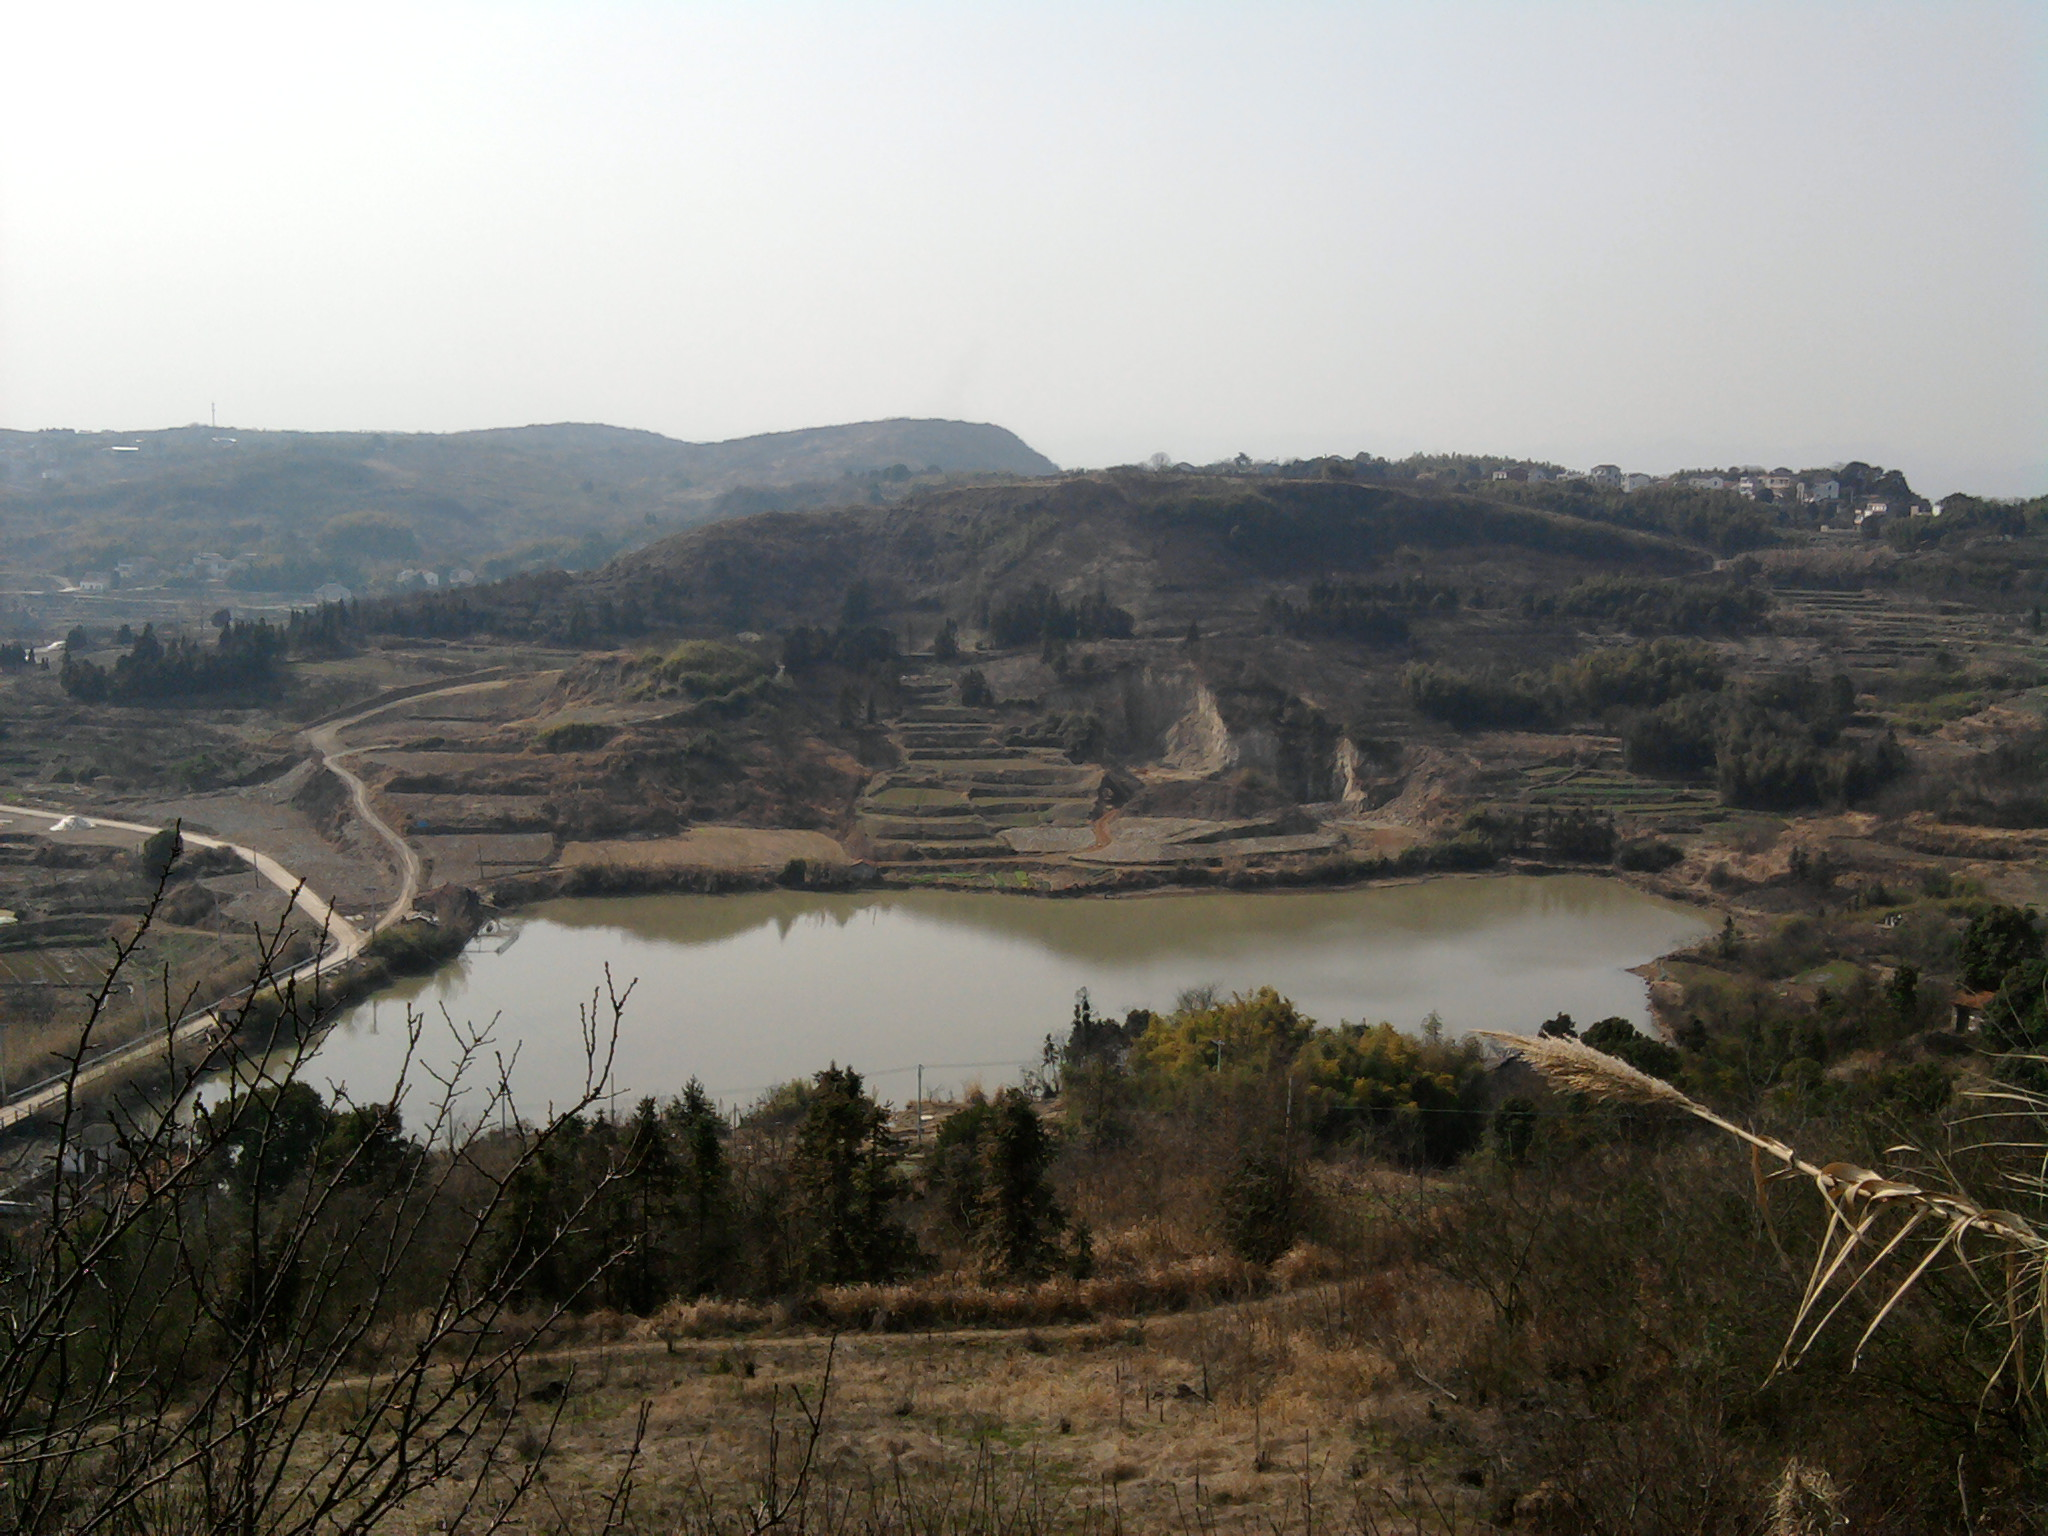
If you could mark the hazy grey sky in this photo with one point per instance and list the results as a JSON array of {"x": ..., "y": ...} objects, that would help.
[{"x": 1655, "y": 233}]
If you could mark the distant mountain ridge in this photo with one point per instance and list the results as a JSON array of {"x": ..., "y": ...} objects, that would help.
[
  {"x": 316, "y": 506},
  {"x": 807, "y": 453}
]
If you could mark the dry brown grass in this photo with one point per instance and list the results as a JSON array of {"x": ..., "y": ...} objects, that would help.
[
  {"x": 755, "y": 849},
  {"x": 1143, "y": 1278},
  {"x": 1262, "y": 1416}
]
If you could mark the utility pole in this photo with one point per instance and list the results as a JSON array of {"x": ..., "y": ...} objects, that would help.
[{"x": 920, "y": 1103}]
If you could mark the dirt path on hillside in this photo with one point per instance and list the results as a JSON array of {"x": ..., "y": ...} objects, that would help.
[{"x": 324, "y": 740}]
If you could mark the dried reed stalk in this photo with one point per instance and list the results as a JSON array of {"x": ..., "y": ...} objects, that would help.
[{"x": 1870, "y": 1218}]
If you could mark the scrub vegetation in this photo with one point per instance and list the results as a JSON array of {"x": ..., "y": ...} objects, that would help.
[{"x": 1350, "y": 1269}]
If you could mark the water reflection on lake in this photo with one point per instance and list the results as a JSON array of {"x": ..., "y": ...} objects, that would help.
[{"x": 745, "y": 991}]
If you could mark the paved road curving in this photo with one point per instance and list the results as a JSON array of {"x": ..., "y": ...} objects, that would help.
[{"x": 346, "y": 941}]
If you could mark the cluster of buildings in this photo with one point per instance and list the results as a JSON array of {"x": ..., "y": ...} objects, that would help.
[
  {"x": 1831, "y": 498},
  {"x": 409, "y": 580},
  {"x": 1608, "y": 475}
]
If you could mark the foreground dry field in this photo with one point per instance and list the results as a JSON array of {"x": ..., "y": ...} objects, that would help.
[{"x": 1275, "y": 1415}]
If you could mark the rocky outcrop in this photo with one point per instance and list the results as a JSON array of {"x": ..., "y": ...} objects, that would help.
[{"x": 1198, "y": 741}]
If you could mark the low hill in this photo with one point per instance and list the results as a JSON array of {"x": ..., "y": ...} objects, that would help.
[
  {"x": 357, "y": 506},
  {"x": 1168, "y": 548}
]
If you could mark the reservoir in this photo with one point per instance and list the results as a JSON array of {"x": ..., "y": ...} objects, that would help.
[{"x": 743, "y": 992}]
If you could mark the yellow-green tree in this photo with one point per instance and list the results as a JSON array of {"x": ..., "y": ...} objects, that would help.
[
  {"x": 1248, "y": 1036},
  {"x": 1425, "y": 1091}
]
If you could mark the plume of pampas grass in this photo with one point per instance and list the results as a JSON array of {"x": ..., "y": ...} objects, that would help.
[
  {"x": 1805, "y": 1502},
  {"x": 1872, "y": 1220}
]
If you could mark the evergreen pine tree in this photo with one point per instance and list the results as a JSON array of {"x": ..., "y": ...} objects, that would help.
[
  {"x": 648, "y": 1186},
  {"x": 844, "y": 1186},
  {"x": 1018, "y": 1221},
  {"x": 703, "y": 1205}
]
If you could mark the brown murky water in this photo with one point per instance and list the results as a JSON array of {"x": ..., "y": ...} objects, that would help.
[{"x": 745, "y": 991}]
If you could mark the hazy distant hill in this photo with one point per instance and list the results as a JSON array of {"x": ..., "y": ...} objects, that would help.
[{"x": 356, "y": 506}]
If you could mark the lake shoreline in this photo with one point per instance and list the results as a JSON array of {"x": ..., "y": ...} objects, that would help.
[
  {"x": 896, "y": 971},
  {"x": 524, "y": 891}
]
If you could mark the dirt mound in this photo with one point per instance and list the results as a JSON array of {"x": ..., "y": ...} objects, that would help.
[{"x": 323, "y": 799}]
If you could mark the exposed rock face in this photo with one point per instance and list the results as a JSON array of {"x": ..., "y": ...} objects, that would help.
[
  {"x": 1171, "y": 716},
  {"x": 1351, "y": 774},
  {"x": 1197, "y": 741}
]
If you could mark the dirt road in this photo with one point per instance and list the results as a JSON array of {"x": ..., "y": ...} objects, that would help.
[{"x": 323, "y": 739}]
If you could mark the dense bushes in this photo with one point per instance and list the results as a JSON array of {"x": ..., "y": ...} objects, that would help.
[
  {"x": 1039, "y": 613},
  {"x": 1573, "y": 836},
  {"x": 1766, "y": 761},
  {"x": 1247, "y": 1036},
  {"x": 1648, "y": 855},
  {"x": 1376, "y": 613},
  {"x": 1477, "y": 700},
  {"x": 1419, "y": 1098},
  {"x": 703, "y": 669},
  {"x": 413, "y": 947},
  {"x": 1998, "y": 940},
  {"x": 1651, "y": 607},
  {"x": 1774, "y": 744},
  {"x": 1675, "y": 739},
  {"x": 1640, "y": 676},
  {"x": 1598, "y": 682}
]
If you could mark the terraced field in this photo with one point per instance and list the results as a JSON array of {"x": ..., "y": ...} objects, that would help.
[
  {"x": 963, "y": 792},
  {"x": 1876, "y": 630},
  {"x": 1614, "y": 789}
]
